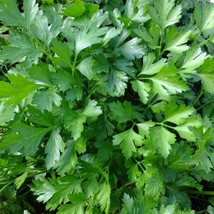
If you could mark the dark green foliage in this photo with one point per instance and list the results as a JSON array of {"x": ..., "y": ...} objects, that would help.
[{"x": 106, "y": 107}]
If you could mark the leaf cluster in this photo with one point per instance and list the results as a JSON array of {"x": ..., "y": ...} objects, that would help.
[{"x": 107, "y": 106}]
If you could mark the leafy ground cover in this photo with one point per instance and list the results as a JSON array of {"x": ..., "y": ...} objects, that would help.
[{"x": 106, "y": 107}]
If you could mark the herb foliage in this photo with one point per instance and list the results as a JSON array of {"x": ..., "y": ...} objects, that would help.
[{"x": 106, "y": 107}]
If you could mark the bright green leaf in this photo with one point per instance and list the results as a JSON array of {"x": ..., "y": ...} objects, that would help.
[
  {"x": 76, "y": 9},
  {"x": 143, "y": 89},
  {"x": 20, "y": 49},
  {"x": 54, "y": 147},
  {"x": 9, "y": 13},
  {"x": 177, "y": 114},
  {"x": 68, "y": 160},
  {"x": 74, "y": 122},
  {"x": 128, "y": 140},
  {"x": 40, "y": 118},
  {"x": 85, "y": 67},
  {"x": 204, "y": 16},
  {"x": 22, "y": 136},
  {"x": 20, "y": 89},
  {"x": 44, "y": 100},
  {"x": 162, "y": 140},
  {"x": 175, "y": 41},
  {"x": 21, "y": 179},
  {"x": 206, "y": 74},
  {"x": 150, "y": 67},
  {"x": 167, "y": 82},
  {"x": 165, "y": 13},
  {"x": 92, "y": 110},
  {"x": 7, "y": 113},
  {"x": 63, "y": 55}
]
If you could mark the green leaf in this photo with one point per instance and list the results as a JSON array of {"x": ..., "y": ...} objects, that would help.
[
  {"x": 177, "y": 114},
  {"x": 131, "y": 49},
  {"x": 80, "y": 145},
  {"x": 91, "y": 8},
  {"x": 64, "y": 189},
  {"x": 170, "y": 209},
  {"x": 30, "y": 11},
  {"x": 48, "y": 1},
  {"x": 150, "y": 35},
  {"x": 206, "y": 75},
  {"x": 152, "y": 178},
  {"x": 184, "y": 129},
  {"x": 40, "y": 118},
  {"x": 117, "y": 83},
  {"x": 150, "y": 67},
  {"x": 162, "y": 139},
  {"x": 22, "y": 136},
  {"x": 54, "y": 146},
  {"x": 165, "y": 13},
  {"x": 92, "y": 110},
  {"x": 122, "y": 112},
  {"x": 75, "y": 9},
  {"x": 75, "y": 208},
  {"x": 85, "y": 67},
  {"x": 68, "y": 159},
  {"x": 20, "y": 89},
  {"x": 143, "y": 89},
  {"x": 128, "y": 203},
  {"x": 167, "y": 82},
  {"x": 175, "y": 41},
  {"x": 64, "y": 80},
  {"x": 180, "y": 157},
  {"x": 74, "y": 122},
  {"x": 128, "y": 140},
  {"x": 40, "y": 73},
  {"x": 136, "y": 11},
  {"x": 20, "y": 49},
  {"x": 44, "y": 100},
  {"x": 9, "y": 13},
  {"x": 41, "y": 29},
  {"x": 113, "y": 32},
  {"x": 194, "y": 58},
  {"x": 204, "y": 156},
  {"x": 90, "y": 33},
  {"x": 44, "y": 189},
  {"x": 7, "y": 113},
  {"x": 63, "y": 55},
  {"x": 103, "y": 197},
  {"x": 204, "y": 16},
  {"x": 21, "y": 179}
]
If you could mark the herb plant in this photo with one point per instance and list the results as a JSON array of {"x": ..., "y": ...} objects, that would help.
[{"x": 107, "y": 107}]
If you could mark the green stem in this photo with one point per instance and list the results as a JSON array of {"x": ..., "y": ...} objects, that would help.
[
  {"x": 161, "y": 40},
  {"x": 139, "y": 164},
  {"x": 162, "y": 124},
  {"x": 196, "y": 39},
  {"x": 197, "y": 98},
  {"x": 197, "y": 192},
  {"x": 212, "y": 101},
  {"x": 203, "y": 43},
  {"x": 94, "y": 88},
  {"x": 74, "y": 64}
]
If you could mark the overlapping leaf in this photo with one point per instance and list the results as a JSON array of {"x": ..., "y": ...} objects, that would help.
[
  {"x": 20, "y": 89},
  {"x": 128, "y": 140},
  {"x": 22, "y": 136},
  {"x": 165, "y": 13}
]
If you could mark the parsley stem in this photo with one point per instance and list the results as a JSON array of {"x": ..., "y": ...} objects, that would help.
[
  {"x": 163, "y": 124},
  {"x": 160, "y": 45},
  {"x": 74, "y": 64},
  {"x": 198, "y": 192},
  {"x": 197, "y": 98},
  {"x": 202, "y": 106}
]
